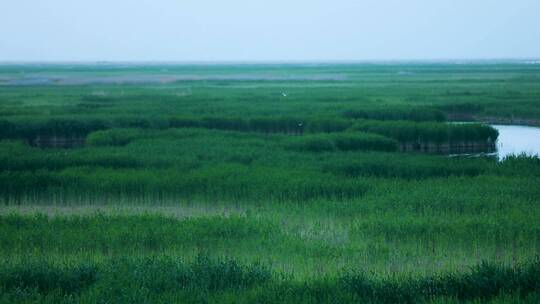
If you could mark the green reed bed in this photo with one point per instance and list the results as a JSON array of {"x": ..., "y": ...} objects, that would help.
[
  {"x": 425, "y": 132},
  {"x": 80, "y": 128},
  {"x": 343, "y": 142},
  {"x": 236, "y": 184},
  {"x": 198, "y": 164},
  {"x": 222, "y": 281},
  {"x": 396, "y": 113},
  {"x": 410, "y": 227}
]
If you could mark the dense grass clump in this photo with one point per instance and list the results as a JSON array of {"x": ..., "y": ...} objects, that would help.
[
  {"x": 483, "y": 282},
  {"x": 397, "y": 113},
  {"x": 47, "y": 278},
  {"x": 234, "y": 182},
  {"x": 69, "y": 128},
  {"x": 386, "y": 165},
  {"x": 204, "y": 274},
  {"x": 56, "y": 127},
  {"x": 343, "y": 142},
  {"x": 118, "y": 234},
  {"x": 164, "y": 278},
  {"x": 131, "y": 280},
  {"x": 223, "y": 165},
  {"x": 412, "y": 132},
  {"x": 114, "y": 137}
]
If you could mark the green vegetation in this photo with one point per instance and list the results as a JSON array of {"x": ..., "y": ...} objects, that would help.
[
  {"x": 165, "y": 280},
  {"x": 237, "y": 184},
  {"x": 411, "y": 132},
  {"x": 343, "y": 142}
]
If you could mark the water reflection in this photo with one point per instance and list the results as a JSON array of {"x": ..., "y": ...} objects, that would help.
[{"x": 517, "y": 140}]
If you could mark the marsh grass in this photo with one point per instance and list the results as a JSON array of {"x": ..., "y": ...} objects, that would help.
[
  {"x": 139, "y": 281},
  {"x": 265, "y": 189}
]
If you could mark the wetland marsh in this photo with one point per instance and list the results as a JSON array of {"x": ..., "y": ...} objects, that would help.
[{"x": 244, "y": 184}]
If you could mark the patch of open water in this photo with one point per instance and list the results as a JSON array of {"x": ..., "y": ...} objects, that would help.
[
  {"x": 513, "y": 140},
  {"x": 516, "y": 140}
]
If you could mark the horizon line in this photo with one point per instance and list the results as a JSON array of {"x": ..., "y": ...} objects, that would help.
[{"x": 247, "y": 62}]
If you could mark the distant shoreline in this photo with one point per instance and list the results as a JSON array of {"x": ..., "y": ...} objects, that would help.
[{"x": 456, "y": 61}]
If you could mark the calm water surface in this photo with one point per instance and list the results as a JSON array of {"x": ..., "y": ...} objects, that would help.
[{"x": 517, "y": 140}]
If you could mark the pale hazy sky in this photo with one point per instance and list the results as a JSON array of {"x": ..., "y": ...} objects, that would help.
[{"x": 253, "y": 30}]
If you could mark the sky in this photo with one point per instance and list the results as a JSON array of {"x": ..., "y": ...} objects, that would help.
[{"x": 271, "y": 30}]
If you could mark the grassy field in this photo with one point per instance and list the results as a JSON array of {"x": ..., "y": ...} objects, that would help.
[{"x": 303, "y": 183}]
